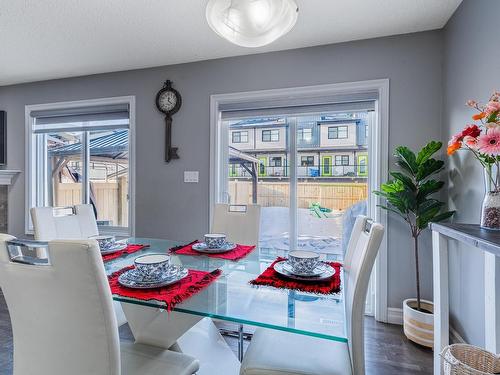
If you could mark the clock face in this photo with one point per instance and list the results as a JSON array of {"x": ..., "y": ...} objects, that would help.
[{"x": 167, "y": 101}]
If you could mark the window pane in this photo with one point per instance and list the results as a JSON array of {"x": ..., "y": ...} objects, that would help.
[
  {"x": 236, "y": 137},
  {"x": 307, "y": 135},
  {"x": 109, "y": 176},
  {"x": 332, "y": 132},
  {"x": 244, "y": 137},
  {"x": 65, "y": 169},
  {"x": 275, "y": 135},
  {"x": 342, "y": 132}
]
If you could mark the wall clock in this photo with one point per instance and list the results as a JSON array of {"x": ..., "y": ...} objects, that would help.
[{"x": 169, "y": 101}]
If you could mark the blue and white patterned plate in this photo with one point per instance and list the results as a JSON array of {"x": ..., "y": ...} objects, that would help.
[
  {"x": 203, "y": 248},
  {"x": 118, "y": 246},
  {"x": 322, "y": 272},
  {"x": 317, "y": 271},
  {"x": 132, "y": 279}
]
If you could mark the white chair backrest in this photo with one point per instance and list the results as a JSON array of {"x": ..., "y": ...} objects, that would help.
[
  {"x": 360, "y": 258},
  {"x": 240, "y": 227},
  {"x": 62, "y": 313},
  {"x": 80, "y": 224}
]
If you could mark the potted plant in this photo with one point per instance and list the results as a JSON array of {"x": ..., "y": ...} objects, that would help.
[{"x": 410, "y": 196}]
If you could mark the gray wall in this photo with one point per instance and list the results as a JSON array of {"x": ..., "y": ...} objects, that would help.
[
  {"x": 471, "y": 71},
  {"x": 168, "y": 208}
]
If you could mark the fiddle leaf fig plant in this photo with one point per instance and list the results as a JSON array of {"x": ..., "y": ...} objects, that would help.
[{"x": 410, "y": 193}]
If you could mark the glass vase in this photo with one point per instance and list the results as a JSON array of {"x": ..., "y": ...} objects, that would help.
[{"x": 490, "y": 210}]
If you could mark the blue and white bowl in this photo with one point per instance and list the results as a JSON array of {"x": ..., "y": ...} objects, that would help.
[
  {"x": 104, "y": 242},
  {"x": 152, "y": 267},
  {"x": 303, "y": 262},
  {"x": 215, "y": 240}
]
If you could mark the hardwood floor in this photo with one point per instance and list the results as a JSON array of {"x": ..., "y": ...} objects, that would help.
[{"x": 388, "y": 352}]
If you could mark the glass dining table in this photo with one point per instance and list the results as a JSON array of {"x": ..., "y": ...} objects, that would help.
[{"x": 231, "y": 298}]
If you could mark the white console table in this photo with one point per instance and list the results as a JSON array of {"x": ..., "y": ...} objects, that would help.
[{"x": 489, "y": 243}]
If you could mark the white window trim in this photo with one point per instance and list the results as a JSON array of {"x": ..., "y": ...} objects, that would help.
[
  {"x": 378, "y": 151},
  {"x": 240, "y": 133},
  {"x": 29, "y": 122},
  {"x": 338, "y": 127},
  {"x": 271, "y": 132}
]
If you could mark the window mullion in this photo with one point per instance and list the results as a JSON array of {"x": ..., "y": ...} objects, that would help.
[{"x": 86, "y": 167}]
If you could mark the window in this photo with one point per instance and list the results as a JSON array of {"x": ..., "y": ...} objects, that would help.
[
  {"x": 275, "y": 161},
  {"x": 304, "y": 135},
  {"x": 270, "y": 135},
  {"x": 341, "y": 159},
  {"x": 337, "y": 132},
  {"x": 306, "y": 161},
  {"x": 82, "y": 155},
  {"x": 240, "y": 137}
]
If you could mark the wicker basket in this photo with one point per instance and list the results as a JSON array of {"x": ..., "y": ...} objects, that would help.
[{"x": 462, "y": 359}]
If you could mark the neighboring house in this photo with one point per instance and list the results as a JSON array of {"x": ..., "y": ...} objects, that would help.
[{"x": 329, "y": 147}]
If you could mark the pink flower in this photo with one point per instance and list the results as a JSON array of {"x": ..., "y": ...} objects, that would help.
[
  {"x": 492, "y": 107},
  {"x": 489, "y": 143},
  {"x": 470, "y": 141},
  {"x": 471, "y": 103},
  {"x": 456, "y": 138}
]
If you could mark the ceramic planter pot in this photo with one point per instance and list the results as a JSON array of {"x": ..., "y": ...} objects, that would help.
[{"x": 419, "y": 325}]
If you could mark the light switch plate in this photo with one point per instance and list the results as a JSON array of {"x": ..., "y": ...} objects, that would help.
[{"x": 191, "y": 176}]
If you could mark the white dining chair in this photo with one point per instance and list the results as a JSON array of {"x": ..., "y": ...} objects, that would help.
[
  {"x": 63, "y": 322},
  {"x": 281, "y": 353},
  {"x": 69, "y": 223},
  {"x": 241, "y": 223}
]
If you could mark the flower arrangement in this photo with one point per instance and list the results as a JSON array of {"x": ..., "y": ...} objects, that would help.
[{"x": 482, "y": 139}]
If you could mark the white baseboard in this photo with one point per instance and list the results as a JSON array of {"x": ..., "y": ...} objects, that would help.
[{"x": 395, "y": 316}]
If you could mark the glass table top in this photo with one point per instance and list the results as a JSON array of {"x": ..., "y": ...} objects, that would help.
[{"x": 232, "y": 298}]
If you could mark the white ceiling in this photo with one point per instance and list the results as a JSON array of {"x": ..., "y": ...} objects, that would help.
[{"x": 45, "y": 39}]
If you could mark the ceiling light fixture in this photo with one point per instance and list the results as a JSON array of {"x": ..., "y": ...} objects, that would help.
[{"x": 251, "y": 23}]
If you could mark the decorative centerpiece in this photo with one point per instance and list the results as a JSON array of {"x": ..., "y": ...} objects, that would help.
[
  {"x": 482, "y": 139},
  {"x": 410, "y": 196}
]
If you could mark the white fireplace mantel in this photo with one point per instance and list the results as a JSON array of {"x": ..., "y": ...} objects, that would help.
[{"x": 7, "y": 176}]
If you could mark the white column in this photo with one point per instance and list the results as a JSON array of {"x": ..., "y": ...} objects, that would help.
[
  {"x": 441, "y": 299},
  {"x": 491, "y": 303}
]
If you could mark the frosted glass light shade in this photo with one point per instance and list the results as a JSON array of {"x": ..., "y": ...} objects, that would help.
[{"x": 251, "y": 23}]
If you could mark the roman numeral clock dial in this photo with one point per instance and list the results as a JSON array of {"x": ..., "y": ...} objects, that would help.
[{"x": 168, "y": 101}]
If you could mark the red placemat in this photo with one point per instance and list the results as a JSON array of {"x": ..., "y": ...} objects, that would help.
[
  {"x": 239, "y": 252},
  {"x": 128, "y": 250},
  {"x": 171, "y": 295},
  {"x": 272, "y": 278}
]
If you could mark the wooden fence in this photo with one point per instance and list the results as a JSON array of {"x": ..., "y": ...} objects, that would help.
[
  {"x": 334, "y": 195},
  {"x": 111, "y": 199}
]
